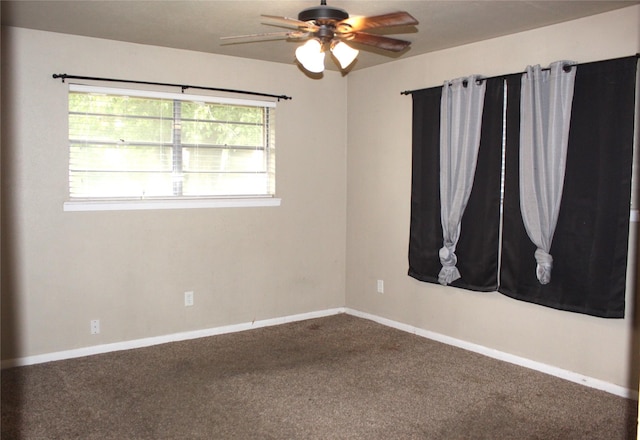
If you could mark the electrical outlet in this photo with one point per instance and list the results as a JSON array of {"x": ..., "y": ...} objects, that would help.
[
  {"x": 95, "y": 326},
  {"x": 380, "y": 286},
  {"x": 188, "y": 299}
]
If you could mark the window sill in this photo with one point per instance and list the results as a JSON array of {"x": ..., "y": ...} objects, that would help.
[{"x": 133, "y": 205}]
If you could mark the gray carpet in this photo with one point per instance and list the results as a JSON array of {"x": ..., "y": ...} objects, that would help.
[{"x": 338, "y": 377}]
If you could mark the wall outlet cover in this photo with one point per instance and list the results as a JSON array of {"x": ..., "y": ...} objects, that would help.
[
  {"x": 188, "y": 299},
  {"x": 95, "y": 326}
]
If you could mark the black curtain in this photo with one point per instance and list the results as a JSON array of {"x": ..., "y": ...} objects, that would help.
[
  {"x": 477, "y": 249},
  {"x": 590, "y": 243}
]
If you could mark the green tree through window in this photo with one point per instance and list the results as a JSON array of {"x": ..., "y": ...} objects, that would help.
[{"x": 127, "y": 146}]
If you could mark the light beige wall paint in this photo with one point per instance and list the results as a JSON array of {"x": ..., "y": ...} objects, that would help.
[
  {"x": 379, "y": 184},
  {"x": 130, "y": 269}
]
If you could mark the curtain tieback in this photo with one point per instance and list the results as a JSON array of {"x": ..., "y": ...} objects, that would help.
[
  {"x": 449, "y": 272},
  {"x": 545, "y": 263}
]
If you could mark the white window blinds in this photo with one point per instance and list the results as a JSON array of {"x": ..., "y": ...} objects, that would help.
[{"x": 140, "y": 144}]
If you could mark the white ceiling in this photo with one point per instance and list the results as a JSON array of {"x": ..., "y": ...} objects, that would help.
[{"x": 198, "y": 25}]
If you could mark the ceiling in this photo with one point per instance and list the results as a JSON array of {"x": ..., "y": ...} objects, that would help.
[{"x": 198, "y": 25}]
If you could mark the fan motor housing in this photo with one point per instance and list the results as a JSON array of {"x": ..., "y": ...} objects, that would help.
[{"x": 321, "y": 13}]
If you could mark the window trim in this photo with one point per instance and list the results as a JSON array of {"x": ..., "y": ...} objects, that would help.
[
  {"x": 145, "y": 204},
  {"x": 132, "y": 204},
  {"x": 168, "y": 95}
]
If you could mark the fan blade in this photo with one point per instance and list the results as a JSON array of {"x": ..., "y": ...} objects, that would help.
[
  {"x": 293, "y": 22},
  {"x": 393, "y": 19},
  {"x": 289, "y": 34},
  {"x": 386, "y": 43}
]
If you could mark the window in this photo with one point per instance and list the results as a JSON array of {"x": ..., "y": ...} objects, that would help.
[{"x": 140, "y": 145}]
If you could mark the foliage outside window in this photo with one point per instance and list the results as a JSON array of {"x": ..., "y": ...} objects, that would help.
[{"x": 127, "y": 144}]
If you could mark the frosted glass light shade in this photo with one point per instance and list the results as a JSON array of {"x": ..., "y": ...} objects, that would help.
[
  {"x": 344, "y": 53},
  {"x": 311, "y": 56}
]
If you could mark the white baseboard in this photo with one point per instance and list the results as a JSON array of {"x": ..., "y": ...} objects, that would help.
[
  {"x": 147, "y": 342},
  {"x": 496, "y": 354},
  {"x": 502, "y": 356}
]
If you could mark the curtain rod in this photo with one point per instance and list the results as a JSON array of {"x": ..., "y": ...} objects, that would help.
[
  {"x": 64, "y": 76},
  {"x": 409, "y": 92}
]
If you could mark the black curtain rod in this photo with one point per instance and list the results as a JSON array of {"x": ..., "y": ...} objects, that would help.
[
  {"x": 64, "y": 76},
  {"x": 566, "y": 68}
]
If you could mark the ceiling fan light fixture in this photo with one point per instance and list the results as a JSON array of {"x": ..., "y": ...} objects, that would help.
[
  {"x": 311, "y": 56},
  {"x": 344, "y": 53},
  {"x": 329, "y": 28}
]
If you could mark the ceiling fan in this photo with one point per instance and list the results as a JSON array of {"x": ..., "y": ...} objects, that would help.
[{"x": 327, "y": 27}]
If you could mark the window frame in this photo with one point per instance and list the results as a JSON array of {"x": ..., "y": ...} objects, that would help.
[{"x": 165, "y": 202}]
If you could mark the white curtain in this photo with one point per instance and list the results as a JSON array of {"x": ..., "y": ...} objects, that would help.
[
  {"x": 460, "y": 122},
  {"x": 545, "y": 111}
]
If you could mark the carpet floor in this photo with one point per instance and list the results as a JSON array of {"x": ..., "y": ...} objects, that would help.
[{"x": 338, "y": 377}]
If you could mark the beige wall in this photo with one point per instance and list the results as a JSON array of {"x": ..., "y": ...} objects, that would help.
[
  {"x": 130, "y": 269},
  {"x": 379, "y": 184}
]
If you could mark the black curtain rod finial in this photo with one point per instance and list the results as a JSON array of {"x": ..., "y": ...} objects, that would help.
[{"x": 62, "y": 76}]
